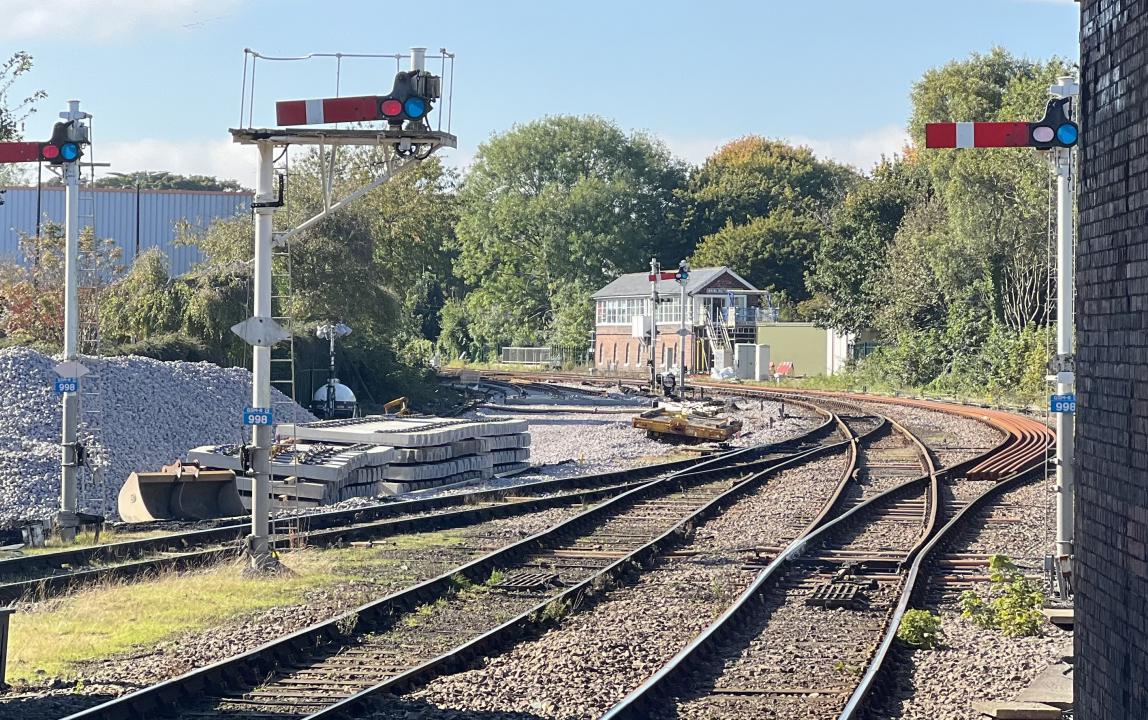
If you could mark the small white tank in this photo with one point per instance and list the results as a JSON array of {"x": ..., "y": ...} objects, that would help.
[{"x": 343, "y": 394}]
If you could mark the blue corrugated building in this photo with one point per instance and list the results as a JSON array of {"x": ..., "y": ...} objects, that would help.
[{"x": 135, "y": 220}]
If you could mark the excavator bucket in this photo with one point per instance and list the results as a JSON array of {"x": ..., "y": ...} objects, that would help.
[{"x": 182, "y": 491}]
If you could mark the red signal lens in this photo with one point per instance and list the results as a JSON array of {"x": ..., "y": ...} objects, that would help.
[
  {"x": 391, "y": 108},
  {"x": 49, "y": 152}
]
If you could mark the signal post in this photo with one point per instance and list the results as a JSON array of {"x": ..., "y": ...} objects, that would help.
[
  {"x": 1055, "y": 132},
  {"x": 408, "y": 139},
  {"x": 64, "y": 151}
]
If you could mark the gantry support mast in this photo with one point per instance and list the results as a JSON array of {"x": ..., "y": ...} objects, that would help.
[{"x": 405, "y": 145}]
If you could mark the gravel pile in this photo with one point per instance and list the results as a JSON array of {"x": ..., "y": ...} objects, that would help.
[{"x": 153, "y": 412}]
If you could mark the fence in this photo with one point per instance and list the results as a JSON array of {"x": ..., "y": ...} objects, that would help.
[
  {"x": 550, "y": 356},
  {"x": 524, "y": 355}
]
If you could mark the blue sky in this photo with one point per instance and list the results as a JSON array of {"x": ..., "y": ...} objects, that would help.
[{"x": 163, "y": 77}]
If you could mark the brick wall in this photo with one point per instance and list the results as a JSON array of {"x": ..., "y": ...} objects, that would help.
[
  {"x": 615, "y": 348},
  {"x": 1112, "y": 364}
]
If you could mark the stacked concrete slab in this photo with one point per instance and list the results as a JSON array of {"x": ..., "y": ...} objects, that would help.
[{"x": 327, "y": 461}]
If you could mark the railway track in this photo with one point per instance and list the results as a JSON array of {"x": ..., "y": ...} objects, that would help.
[
  {"x": 1024, "y": 436},
  {"x": 771, "y": 655},
  {"x": 776, "y": 512},
  {"x": 41, "y": 575},
  {"x": 650, "y": 610},
  {"x": 413, "y": 631},
  {"x": 878, "y": 526},
  {"x": 944, "y": 568}
]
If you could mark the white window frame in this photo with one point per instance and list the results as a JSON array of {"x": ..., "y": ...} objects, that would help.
[{"x": 619, "y": 311}]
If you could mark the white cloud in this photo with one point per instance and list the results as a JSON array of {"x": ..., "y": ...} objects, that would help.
[
  {"x": 103, "y": 20},
  {"x": 862, "y": 151},
  {"x": 219, "y": 158},
  {"x": 693, "y": 150}
]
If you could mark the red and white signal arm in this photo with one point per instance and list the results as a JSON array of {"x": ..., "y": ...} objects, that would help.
[
  {"x": 1053, "y": 130},
  {"x": 976, "y": 134},
  {"x": 327, "y": 110}
]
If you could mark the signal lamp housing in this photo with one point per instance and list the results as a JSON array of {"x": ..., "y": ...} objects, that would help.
[{"x": 61, "y": 148}]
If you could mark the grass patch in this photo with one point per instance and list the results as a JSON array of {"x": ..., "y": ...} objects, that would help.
[
  {"x": 48, "y": 640},
  {"x": 87, "y": 539},
  {"x": 422, "y": 541}
]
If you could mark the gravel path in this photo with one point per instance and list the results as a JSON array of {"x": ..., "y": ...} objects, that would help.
[
  {"x": 976, "y": 663},
  {"x": 588, "y": 442},
  {"x": 153, "y": 412},
  {"x": 952, "y": 438}
]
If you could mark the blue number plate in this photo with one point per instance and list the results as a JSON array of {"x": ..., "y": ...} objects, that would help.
[
  {"x": 1062, "y": 403},
  {"x": 257, "y": 416},
  {"x": 66, "y": 385}
]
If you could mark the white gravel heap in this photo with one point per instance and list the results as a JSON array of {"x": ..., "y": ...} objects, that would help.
[{"x": 153, "y": 412}]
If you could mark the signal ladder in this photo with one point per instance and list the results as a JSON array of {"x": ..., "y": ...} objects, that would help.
[
  {"x": 92, "y": 491},
  {"x": 283, "y": 367}
]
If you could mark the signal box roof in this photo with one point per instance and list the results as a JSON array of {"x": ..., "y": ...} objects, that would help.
[{"x": 638, "y": 284}]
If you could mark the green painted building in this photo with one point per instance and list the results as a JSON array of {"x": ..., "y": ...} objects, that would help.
[{"x": 812, "y": 350}]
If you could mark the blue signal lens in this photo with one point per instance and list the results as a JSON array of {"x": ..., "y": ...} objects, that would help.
[
  {"x": 69, "y": 151},
  {"x": 1067, "y": 134},
  {"x": 415, "y": 107}
]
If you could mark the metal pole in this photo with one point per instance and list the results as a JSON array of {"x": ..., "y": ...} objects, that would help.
[
  {"x": 1066, "y": 87},
  {"x": 71, "y": 412},
  {"x": 682, "y": 345},
  {"x": 331, "y": 378},
  {"x": 259, "y": 542},
  {"x": 66, "y": 520},
  {"x": 418, "y": 58},
  {"x": 1064, "y": 325},
  {"x": 655, "y": 271}
]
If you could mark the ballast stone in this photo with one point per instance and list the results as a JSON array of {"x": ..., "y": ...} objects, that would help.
[{"x": 152, "y": 412}]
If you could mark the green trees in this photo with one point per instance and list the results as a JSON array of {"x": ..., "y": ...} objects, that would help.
[
  {"x": 32, "y": 285},
  {"x": 943, "y": 253},
  {"x": 771, "y": 251},
  {"x": 555, "y": 204},
  {"x": 163, "y": 180},
  {"x": 847, "y": 265},
  {"x": 13, "y": 111},
  {"x": 762, "y": 207}
]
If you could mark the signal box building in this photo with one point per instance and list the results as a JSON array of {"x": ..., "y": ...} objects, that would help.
[
  {"x": 722, "y": 310},
  {"x": 714, "y": 297}
]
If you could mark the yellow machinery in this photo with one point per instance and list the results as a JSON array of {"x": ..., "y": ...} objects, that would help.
[
  {"x": 400, "y": 403},
  {"x": 662, "y": 422},
  {"x": 181, "y": 491}
]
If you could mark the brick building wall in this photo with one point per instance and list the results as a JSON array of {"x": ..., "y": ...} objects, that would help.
[
  {"x": 616, "y": 348},
  {"x": 1111, "y": 534}
]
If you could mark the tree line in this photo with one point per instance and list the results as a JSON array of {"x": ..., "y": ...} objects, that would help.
[{"x": 939, "y": 259}]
